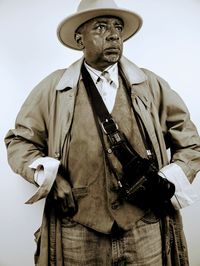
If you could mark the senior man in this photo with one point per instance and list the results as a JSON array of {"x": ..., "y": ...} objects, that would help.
[{"x": 94, "y": 139}]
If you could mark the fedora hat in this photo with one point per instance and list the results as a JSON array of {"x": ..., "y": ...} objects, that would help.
[{"x": 89, "y": 9}]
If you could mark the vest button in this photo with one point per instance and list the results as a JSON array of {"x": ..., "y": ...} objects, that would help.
[
  {"x": 109, "y": 151},
  {"x": 57, "y": 155},
  {"x": 115, "y": 205}
]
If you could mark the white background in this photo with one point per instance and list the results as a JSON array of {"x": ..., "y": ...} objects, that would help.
[{"x": 168, "y": 44}]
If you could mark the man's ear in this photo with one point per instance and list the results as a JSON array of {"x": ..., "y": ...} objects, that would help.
[{"x": 79, "y": 39}]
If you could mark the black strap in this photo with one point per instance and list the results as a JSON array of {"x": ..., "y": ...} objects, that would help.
[
  {"x": 138, "y": 119},
  {"x": 119, "y": 143},
  {"x": 88, "y": 82},
  {"x": 95, "y": 96},
  {"x": 143, "y": 131}
]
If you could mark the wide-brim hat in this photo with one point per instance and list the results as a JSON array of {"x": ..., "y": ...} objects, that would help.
[{"x": 89, "y": 9}]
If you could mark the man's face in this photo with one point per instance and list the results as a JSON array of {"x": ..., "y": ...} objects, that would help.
[{"x": 101, "y": 38}]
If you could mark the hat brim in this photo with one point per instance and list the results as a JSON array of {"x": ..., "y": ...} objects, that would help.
[{"x": 67, "y": 28}]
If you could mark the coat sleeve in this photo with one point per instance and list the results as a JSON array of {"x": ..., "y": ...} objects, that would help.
[
  {"x": 179, "y": 132},
  {"x": 29, "y": 139}
]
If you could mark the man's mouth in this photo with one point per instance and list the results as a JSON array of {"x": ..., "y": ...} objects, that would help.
[{"x": 112, "y": 50}]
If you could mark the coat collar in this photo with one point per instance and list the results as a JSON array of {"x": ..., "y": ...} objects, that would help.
[
  {"x": 72, "y": 74},
  {"x": 132, "y": 72}
]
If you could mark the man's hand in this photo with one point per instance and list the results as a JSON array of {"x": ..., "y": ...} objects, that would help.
[{"x": 63, "y": 195}]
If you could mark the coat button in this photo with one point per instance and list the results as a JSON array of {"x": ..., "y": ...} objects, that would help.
[{"x": 115, "y": 205}]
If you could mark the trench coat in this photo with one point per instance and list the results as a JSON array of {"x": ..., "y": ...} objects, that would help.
[{"x": 42, "y": 130}]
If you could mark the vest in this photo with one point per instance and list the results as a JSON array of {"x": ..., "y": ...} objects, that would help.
[{"x": 94, "y": 186}]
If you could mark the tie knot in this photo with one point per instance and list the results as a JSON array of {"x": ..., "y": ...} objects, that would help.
[{"x": 105, "y": 73}]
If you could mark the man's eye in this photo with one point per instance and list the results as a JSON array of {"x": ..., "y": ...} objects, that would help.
[
  {"x": 119, "y": 28},
  {"x": 101, "y": 27}
]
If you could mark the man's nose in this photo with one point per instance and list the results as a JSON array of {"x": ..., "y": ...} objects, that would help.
[{"x": 113, "y": 35}]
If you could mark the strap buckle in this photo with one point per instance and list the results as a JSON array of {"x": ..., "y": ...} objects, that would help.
[{"x": 109, "y": 126}]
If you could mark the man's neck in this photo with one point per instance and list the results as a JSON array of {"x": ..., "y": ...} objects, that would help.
[{"x": 100, "y": 68}]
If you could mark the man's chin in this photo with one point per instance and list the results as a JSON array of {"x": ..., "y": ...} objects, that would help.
[{"x": 112, "y": 58}]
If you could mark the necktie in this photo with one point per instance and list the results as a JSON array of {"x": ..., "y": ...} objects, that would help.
[
  {"x": 107, "y": 78},
  {"x": 106, "y": 75}
]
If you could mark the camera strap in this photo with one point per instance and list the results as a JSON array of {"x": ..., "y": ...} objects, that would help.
[{"x": 119, "y": 144}]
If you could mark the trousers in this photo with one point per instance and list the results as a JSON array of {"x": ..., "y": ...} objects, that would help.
[{"x": 139, "y": 246}]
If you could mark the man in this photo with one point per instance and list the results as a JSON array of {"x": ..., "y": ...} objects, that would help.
[{"x": 94, "y": 138}]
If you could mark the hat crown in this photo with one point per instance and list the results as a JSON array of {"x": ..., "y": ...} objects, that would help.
[{"x": 95, "y": 4}]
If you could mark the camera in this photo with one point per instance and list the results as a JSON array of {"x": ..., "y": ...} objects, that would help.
[{"x": 141, "y": 185}]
